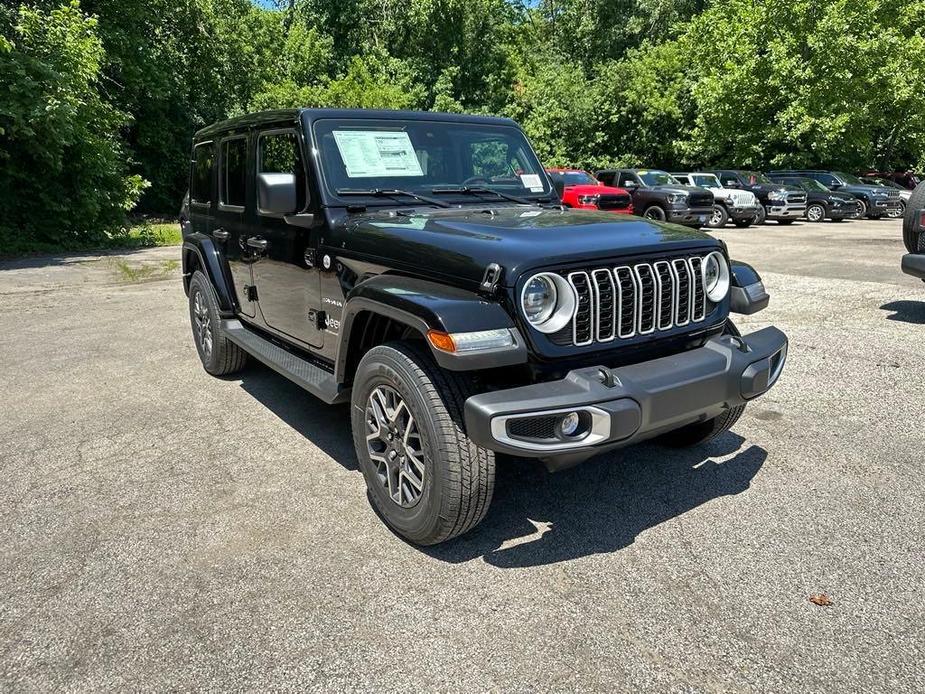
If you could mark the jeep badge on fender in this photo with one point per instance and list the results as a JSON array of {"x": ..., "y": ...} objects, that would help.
[{"x": 595, "y": 330}]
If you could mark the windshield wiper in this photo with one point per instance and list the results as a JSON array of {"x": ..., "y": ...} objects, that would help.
[
  {"x": 391, "y": 193},
  {"x": 480, "y": 190}
]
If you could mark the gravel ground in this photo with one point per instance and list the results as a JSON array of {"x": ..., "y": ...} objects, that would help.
[{"x": 162, "y": 529}]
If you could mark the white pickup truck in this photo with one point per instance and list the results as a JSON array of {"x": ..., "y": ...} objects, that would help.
[{"x": 740, "y": 206}]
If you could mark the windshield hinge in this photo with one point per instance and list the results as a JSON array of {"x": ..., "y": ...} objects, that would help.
[{"x": 491, "y": 278}]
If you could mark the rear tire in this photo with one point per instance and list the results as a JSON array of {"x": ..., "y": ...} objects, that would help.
[
  {"x": 913, "y": 208},
  {"x": 815, "y": 213},
  {"x": 219, "y": 356},
  {"x": 701, "y": 432},
  {"x": 438, "y": 484}
]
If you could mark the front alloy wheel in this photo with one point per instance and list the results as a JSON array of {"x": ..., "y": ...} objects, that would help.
[
  {"x": 719, "y": 217},
  {"x": 655, "y": 213},
  {"x": 394, "y": 444},
  {"x": 202, "y": 324},
  {"x": 897, "y": 212},
  {"x": 861, "y": 209}
]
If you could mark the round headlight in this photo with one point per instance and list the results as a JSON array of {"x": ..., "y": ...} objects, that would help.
[
  {"x": 548, "y": 302},
  {"x": 715, "y": 277}
]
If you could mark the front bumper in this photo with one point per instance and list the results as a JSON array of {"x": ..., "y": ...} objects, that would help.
[
  {"x": 785, "y": 210},
  {"x": 884, "y": 206},
  {"x": 744, "y": 212},
  {"x": 622, "y": 406},
  {"x": 691, "y": 216},
  {"x": 914, "y": 264}
]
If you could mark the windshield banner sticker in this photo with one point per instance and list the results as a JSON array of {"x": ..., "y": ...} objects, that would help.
[
  {"x": 532, "y": 181},
  {"x": 368, "y": 153}
]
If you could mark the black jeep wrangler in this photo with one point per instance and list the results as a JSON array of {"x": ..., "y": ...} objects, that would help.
[
  {"x": 659, "y": 196},
  {"x": 419, "y": 267}
]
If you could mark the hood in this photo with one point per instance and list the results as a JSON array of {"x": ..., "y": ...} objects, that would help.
[
  {"x": 590, "y": 189},
  {"x": 672, "y": 188},
  {"x": 461, "y": 243}
]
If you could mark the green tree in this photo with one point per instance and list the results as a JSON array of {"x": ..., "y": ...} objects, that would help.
[{"x": 63, "y": 171}]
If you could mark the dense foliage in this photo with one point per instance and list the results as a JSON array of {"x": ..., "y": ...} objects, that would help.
[{"x": 100, "y": 99}]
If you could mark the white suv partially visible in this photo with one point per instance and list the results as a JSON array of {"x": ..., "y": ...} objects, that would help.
[{"x": 740, "y": 206}]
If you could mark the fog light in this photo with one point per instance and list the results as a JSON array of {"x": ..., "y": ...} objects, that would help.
[{"x": 569, "y": 424}]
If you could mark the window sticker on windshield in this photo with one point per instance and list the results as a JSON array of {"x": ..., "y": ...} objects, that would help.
[
  {"x": 367, "y": 153},
  {"x": 532, "y": 182}
]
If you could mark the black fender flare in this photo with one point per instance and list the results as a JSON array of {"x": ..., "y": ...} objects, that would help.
[
  {"x": 746, "y": 291},
  {"x": 423, "y": 306},
  {"x": 203, "y": 248}
]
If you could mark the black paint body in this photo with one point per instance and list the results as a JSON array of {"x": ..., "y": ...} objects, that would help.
[{"x": 311, "y": 281}]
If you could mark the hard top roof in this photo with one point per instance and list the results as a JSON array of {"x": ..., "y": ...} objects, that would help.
[{"x": 292, "y": 115}]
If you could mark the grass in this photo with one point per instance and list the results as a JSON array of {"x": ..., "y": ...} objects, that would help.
[
  {"x": 146, "y": 271},
  {"x": 147, "y": 234},
  {"x": 141, "y": 232}
]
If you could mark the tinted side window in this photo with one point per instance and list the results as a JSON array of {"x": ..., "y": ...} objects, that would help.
[
  {"x": 605, "y": 177},
  {"x": 825, "y": 179},
  {"x": 278, "y": 152},
  {"x": 234, "y": 171},
  {"x": 627, "y": 178},
  {"x": 726, "y": 179},
  {"x": 201, "y": 173}
]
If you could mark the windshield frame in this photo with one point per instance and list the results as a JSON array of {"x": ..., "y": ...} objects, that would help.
[
  {"x": 329, "y": 189},
  {"x": 642, "y": 173},
  {"x": 847, "y": 179}
]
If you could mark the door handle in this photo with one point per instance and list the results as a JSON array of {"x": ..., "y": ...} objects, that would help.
[
  {"x": 220, "y": 234},
  {"x": 257, "y": 243}
]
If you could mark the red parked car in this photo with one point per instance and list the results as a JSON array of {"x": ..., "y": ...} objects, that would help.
[{"x": 581, "y": 190}]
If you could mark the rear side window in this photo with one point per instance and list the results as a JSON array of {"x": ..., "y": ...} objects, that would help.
[
  {"x": 279, "y": 152},
  {"x": 201, "y": 173},
  {"x": 234, "y": 171},
  {"x": 627, "y": 178}
]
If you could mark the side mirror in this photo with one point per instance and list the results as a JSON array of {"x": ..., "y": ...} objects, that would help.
[
  {"x": 276, "y": 194},
  {"x": 630, "y": 185},
  {"x": 835, "y": 186}
]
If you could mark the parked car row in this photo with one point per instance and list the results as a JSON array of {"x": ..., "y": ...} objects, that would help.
[{"x": 715, "y": 197}]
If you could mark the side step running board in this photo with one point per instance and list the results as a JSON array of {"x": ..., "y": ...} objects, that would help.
[{"x": 311, "y": 377}]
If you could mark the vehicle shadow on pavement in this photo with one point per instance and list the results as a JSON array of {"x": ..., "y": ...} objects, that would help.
[
  {"x": 539, "y": 518},
  {"x": 326, "y": 426},
  {"x": 906, "y": 311}
]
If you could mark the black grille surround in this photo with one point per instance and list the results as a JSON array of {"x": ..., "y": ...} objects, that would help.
[
  {"x": 700, "y": 200},
  {"x": 613, "y": 201},
  {"x": 639, "y": 299}
]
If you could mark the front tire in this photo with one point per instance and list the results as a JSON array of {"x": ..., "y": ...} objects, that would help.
[
  {"x": 762, "y": 215},
  {"x": 219, "y": 356},
  {"x": 862, "y": 209},
  {"x": 701, "y": 432},
  {"x": 655, "y": 213},
  {"x": 719, "y": 218},
  {"x": 426, "y": 479},
  {"x": 898, "y": 212}
]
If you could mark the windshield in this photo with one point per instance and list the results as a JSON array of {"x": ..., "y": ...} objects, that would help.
[
  {"x": 419, "y": 156},
  {"x": 658, "y": 178},
  {"x": 848, "y": 178},
  {"x": 754, "y": 177},
  {"x": 573, "y": 178},
  {"x": 811, "y": 184},
  {"x": 706, "y": 180}
]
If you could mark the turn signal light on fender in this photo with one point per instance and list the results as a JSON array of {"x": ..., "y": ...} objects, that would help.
[{"x": 441, "y": 341}]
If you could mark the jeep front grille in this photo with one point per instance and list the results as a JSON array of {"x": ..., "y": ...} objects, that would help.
[
  {"x": 638, "y": 299},
  {"x": 796, "y": 198}
]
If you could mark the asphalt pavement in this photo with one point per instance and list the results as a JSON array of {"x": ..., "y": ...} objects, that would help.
[{"x": 161, "y": 529}]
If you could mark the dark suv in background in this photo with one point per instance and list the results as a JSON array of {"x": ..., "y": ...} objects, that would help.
[
  {"x": 660, "y": 196},
  {"x": 873, "y": 201},
  {"x": 782, "y": 203},
  {"x": 821, "y": 203},
  {"x": 905, "y": 179}
]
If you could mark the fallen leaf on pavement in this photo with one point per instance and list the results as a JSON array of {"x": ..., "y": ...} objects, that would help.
[{"x": 820, "y": 599}]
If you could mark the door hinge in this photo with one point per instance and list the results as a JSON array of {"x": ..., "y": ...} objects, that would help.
[
  {"x": 491, "y": 278},
  {"x": 250, "y": 291}
]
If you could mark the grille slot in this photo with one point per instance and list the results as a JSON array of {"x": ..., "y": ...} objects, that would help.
[
  {"x": 613, "y": 202},
  {"x": 639, "y": 299},
  {"x": 796, "y": 198}
]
